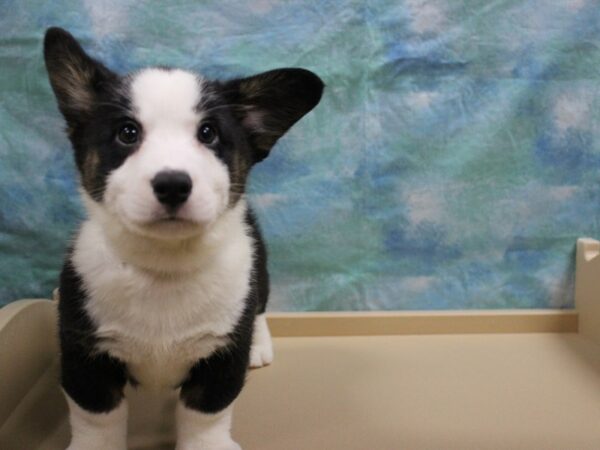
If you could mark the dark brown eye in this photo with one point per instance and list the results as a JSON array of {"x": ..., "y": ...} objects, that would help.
[
  {"x": 207, "y": 133},
  {"x": 128, "y": 134}
]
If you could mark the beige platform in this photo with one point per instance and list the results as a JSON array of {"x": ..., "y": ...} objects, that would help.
[{"x": 467, "y": 380}]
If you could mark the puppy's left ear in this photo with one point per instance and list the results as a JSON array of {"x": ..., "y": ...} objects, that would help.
[
  {"x": 268, "y": 104},
  {"x": 77, "y": 79}
]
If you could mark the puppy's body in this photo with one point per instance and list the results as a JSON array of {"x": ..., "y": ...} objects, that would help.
[
  {"x": 161, "y": 323},
  {"x": 166, "y": 283}
]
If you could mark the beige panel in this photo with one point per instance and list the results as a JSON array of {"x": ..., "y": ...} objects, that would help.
[
  {"x": 28, "y": 346},
  {"x": 446, "y": 392},
  {"x": 587, "y": 287},
  {"x": 381, "y": 323},
  {"x": 451, "y": 391},
  {"x": 406, "y": 323},
  {"x": 41, "y": 410}
]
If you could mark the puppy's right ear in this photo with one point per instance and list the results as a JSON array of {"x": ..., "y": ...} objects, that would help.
[{"x": 76, "y": 78}]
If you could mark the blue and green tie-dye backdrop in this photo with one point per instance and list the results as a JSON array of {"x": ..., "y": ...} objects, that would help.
[{"x": 452, "y": 163}]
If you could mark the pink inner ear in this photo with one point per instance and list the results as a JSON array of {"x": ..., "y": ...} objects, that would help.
[{"x": 254, "y": 120}]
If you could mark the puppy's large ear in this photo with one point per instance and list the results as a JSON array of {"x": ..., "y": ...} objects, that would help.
[
  {"x": 76, "y": 78},
  {"x": 268, "y": 104}
]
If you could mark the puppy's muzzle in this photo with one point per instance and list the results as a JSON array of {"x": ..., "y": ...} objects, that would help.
[{"x": 172, "y": 188}]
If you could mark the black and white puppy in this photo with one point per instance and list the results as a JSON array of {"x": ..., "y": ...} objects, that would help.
[{"x": 166, "y": 282}]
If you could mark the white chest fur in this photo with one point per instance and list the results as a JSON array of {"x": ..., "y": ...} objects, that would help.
[{"x": 159, "y": 324}]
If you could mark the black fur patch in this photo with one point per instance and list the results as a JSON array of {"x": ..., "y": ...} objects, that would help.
[
  {"x": 251, "y": 114},
  {"x": 260, "y": 275},
  {"x": 94, "y": 102},
  {"x": 231, "y": 146},
  {"x": 97, "y": 152},
  {"x": 93, "y": 379},
  {"x": 215, "y": 382}
]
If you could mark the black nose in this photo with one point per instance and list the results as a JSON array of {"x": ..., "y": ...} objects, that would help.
[{"x": 172, "y": 187}]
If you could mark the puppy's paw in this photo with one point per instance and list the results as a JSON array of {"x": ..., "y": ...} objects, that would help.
[
  {"x": 261, "y": 352},
  {"x": 231, "y": 446},
  {"x": 226, "y": 445},
  {"x": 94, "y": 447},
  {"x": 100, "y": 446}
]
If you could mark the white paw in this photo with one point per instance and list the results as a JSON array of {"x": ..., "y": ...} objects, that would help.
[
  {"x": 200, "y": 431},
  {"x": 95, "y": 446},
  {"x": 261, "y": 355},
  {"x": 229, "y": 445},
  {"x": 261, "y": 352},
  {"x": 92, "y": 431}
]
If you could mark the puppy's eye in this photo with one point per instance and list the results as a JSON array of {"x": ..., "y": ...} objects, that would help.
[
  {"x": 128, "y": 134},
  {"x": 207, "y": 133}
]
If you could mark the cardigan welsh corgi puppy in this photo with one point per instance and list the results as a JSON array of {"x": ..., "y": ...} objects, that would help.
[{"x": 166, "y": 283}]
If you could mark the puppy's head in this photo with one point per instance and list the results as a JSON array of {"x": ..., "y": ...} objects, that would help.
[{"x": 164, "y": 151}]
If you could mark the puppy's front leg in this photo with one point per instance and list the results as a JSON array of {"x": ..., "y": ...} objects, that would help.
[
  {"x": 93, "y": 386},
  {"x": 261, "y": 352},
  {"x": 206, "y": 400},
  {"x": 203, "y": 431},
  {"x": 98, "y": 431}
]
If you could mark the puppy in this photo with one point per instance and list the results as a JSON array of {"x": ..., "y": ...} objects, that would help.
[{"x": 166, "y": 283}]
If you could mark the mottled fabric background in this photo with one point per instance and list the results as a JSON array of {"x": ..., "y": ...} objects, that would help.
[{"x": 452, "y": 163}]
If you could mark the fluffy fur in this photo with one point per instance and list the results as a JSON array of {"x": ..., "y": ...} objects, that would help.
[{"x": 166, "y": 283}]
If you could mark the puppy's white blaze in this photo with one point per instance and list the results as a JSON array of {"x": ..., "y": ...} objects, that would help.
[{"x": 166, "y": 97}]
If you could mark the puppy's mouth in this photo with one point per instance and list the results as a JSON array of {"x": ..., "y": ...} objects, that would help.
[
  {"x": 171, "y": 228},
  {"x": 166, "y": 223},
  {"x": 171, "y": 225},
  {"x": 172, "y": 219},
  {"x": 171, "y": 216}
]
